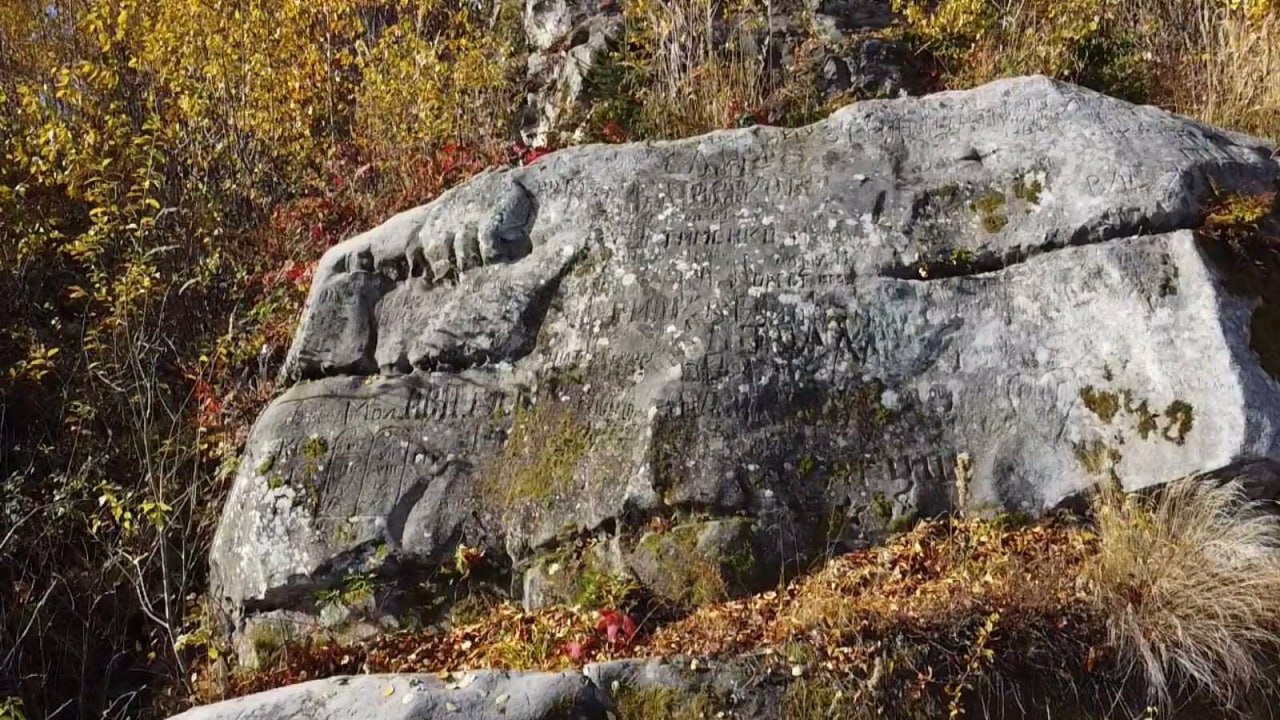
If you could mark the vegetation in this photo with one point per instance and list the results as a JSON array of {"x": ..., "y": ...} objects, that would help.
[
  {"x": 541, "y": 456},
  {"x": 1155, "y": 601},
  {"x": 171, "y": 169},
  {"x": 659, "y": 703},
  {"x": 1215, "y": 60},
  {"x": 1187, "y": 580}
]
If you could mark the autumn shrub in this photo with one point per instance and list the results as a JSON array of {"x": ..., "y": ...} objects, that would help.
[
  {"x": 975, "y": 41},
  {"x": 1215, "y": 60},
  {"x": 1230, "y": 73},
  {"x": 440, "y": 78},
  {"x": 169, "y": 172},
  {"x": 1187, "y": 580}
]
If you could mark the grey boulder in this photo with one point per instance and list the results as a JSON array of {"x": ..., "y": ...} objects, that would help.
[
  {"x": 480, "y": 695},
  {"x": 990, "y": 300}
]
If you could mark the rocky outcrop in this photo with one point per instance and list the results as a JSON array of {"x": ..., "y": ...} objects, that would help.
[
  {"x": 569, "y": 40},
  {"x": 649, "y": 689},
  {"x": 837, "y": 43},
  {"x": 731, "y": 352}
]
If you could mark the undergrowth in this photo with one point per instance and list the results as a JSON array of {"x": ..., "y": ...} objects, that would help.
[
  {"x": 1188, "y": 580},
  {"x": 1154, "y": 601}
]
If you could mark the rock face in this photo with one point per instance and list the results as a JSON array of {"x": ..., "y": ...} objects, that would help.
[
  {"x": 478, "y": 695},
  {"x": 570, "y": 40},
  {"x": 778, "y": 342}
]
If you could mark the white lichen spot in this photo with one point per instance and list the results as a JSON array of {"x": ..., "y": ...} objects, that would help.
[{"x": 889, "y": 399}]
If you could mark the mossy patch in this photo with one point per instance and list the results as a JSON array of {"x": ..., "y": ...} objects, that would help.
[
  {"x": 544, "y": 448},
  {"x": 1027, "y": 190},
  {"x": 961, "y": 258},
  {"x": 267, "y": 463},
  {"x": 314, "y": 447},
  {"x": 580, "y": 576},
  {"x": 881, "y": 509},
  {"x": 989, "y": 207},
  {"x": 1178, "y": 417},
  {"x": 663, "y": 703},
  {"x": 948, "y": 193},
  {"x": 1103, "y": 404},
  {"x": 1098, "y": 458},
  {"x": 680, "y": 567},
  {"x": 1181, "y": 418}
]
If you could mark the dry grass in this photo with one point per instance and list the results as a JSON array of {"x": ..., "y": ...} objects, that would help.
[
  {"x": 1215, "y": 60},
  {"x": 706, "y": 64},
  {"x": 1189, "y": 583},
  {"x": 1234, "y": 81}
]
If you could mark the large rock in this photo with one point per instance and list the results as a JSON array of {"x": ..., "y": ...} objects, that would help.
[
  {"x": 988, "y": 298},
  {"x": 477, "y": 695}
]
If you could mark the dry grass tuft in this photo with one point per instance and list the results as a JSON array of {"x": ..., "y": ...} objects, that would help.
[{"x": 1189, "y": 581}]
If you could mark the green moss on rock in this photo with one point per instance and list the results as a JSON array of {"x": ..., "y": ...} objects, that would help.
[
  {"x": 1181, "y": 419},
  {"x": 544, "y": 448},
  {"x": 1027, "y": 191},
  {"x": 1103, "y": 404},
  {"x": 663, "y": 703}
]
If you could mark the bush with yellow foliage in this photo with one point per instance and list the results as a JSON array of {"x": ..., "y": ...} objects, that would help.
[{"x": 168, "y": 171}]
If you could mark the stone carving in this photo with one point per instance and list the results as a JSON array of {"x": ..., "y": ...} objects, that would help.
[{"x": 800, "y": 328}]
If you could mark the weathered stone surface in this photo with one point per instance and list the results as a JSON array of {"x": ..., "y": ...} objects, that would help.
[
  {"x": 852, "y": 15},
  {"x": 558, "y": 80},
  {"x": 548, "y": 22},
  {"x": 483, "y": 694},
  {"x": 703, "y": 563},
  {"x": 873, "y": 68},
  {"x": 803, "y": 328},
  {"x": 740, "y": 687}
]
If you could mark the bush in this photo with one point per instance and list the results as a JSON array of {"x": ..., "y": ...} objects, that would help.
[
  {"x": 1188, "y": 582},
  {"x": 1216, "y": 60},
  {"x": 689, "y": 66},
  {"x": 169, "y": 171}
]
